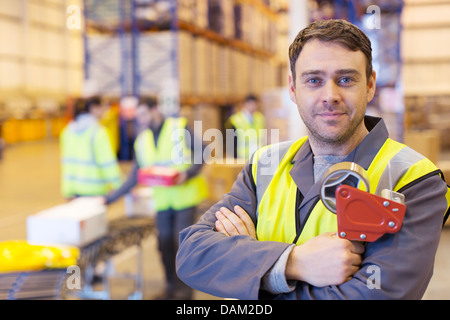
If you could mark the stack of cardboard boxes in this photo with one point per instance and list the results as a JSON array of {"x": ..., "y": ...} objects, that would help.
[{"x": 221, "y": 177}]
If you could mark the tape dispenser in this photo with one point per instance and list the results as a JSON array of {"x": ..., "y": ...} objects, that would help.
[{"x": 361, "y": 216}]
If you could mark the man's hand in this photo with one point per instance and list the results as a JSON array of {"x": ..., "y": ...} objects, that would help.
[
  {"x": 182, "y": 178},
  {"x": 235, "y": 223},
  {"x": 324, "y": 260}
]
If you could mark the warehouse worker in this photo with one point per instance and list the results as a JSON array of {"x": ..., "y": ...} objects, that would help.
[
  {"x": 89, "y": 165},
  {"x": 271, "y": 236},
  {"x": 175, "y": 205},
  {"x": 247, "y": 124}
]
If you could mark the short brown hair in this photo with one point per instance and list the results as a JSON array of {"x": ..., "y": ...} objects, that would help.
[
  {"x": 340, "y": 31},
  {"x": 148, "y": 101}
]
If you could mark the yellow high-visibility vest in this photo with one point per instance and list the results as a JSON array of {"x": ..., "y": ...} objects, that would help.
[
  {"x": 171, "y": 151},
  {"x": 277, "y": 191},
  {"x": 248, "y": 133},
  {"x": 89, "y": 167}
]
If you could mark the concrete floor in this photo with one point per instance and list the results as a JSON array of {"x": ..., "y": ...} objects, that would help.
[{"x": 29, "y": 182}]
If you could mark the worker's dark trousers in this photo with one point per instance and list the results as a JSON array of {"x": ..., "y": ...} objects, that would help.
[{"x": 169, "y": 224}]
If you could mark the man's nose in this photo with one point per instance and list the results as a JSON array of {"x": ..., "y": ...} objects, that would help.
[{"x": 330, "y": 93}]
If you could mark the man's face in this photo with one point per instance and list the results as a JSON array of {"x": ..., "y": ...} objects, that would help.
[
  {"x": 144, "y": 116},
  {"x": 98, "y": 110},
  {"x": 250, "y": 106},
  {"x": 331, "y": 90}
]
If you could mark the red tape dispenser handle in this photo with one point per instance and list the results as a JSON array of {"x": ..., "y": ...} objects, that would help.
[{"x": 363, "y": 216}]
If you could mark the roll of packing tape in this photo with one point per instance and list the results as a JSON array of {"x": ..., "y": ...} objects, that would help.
[{"x": 348, "y": 173}]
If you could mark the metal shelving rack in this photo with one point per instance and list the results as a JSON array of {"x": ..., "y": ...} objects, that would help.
[
  {"x": 129, "y": 54},
  {"x": 114, "y": 24},
  {"x": 142, "y": 82},
  {"x": 386, "y": 53},
  {"x": 386, "y": 39},
  {"x": 113, "y": 41},
  {"x": 110, "y": 53}
]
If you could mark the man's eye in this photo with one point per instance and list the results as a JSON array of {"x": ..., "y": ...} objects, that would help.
[
  {"x": 314, "y": 81},
  {"x": 346, "y": 80}
]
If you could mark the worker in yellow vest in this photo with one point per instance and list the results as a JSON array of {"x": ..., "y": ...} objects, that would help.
[
  {"x": 247, "y": 124},
  {"x": 89, "y": 166},
  {"x": 271, "y": 237},
  {"x": 163, "y": 141}
]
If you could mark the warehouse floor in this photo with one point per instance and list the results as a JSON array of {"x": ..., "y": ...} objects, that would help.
[{"x": 29, "y": 182}]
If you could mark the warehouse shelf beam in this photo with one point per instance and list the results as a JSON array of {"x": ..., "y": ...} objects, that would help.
[
  {"x": 216, "y": 37},
  {"x": 262, "y": 7}
]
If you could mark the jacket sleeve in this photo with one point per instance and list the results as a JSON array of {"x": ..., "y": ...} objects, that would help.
[
  {"x": 397, "y": 266},
  {"x": 126, "y": 187},
  {"x": 224, "y": 266}
]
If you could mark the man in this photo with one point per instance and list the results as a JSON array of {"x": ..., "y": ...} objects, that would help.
[
  {"x": 163, "y": 141},
  {"x": 293, "y": 252},
  {"x": 247, "y": 124},
  {"x": 89, "y": 165}
]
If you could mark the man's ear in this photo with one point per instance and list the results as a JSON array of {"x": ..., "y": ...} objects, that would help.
[
  {"x": 371, "y": 86},
  {"x": 292, "y": 89}
]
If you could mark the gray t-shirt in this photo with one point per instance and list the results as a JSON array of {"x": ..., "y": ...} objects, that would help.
[{"x": 322, "y": 163}]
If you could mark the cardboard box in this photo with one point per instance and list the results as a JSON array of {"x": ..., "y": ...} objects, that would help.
[
  {"x": 221, "y": 177},
  {"x": 140, "y": 203},
  {"x": 426, "y": 142},
  {"x": 157, "y": 176},
  {"x": 185, "y": 63},
  {"x": 76, "y": 223},
  {"x": 445, "y": 168}
]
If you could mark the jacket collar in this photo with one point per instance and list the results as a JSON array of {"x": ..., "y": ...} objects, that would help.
[{"x": 302, "y": 170}]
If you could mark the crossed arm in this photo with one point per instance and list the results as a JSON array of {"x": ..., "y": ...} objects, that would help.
[
  {"x": 324, "y": 260},
  {"x": 225, "y": 259}
]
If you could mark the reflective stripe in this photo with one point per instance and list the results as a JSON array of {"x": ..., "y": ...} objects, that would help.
[
  {"x": 89, "y": 180},
  {"x": 87, "y": 163},
  {"x": 397, "y": 167},
  {"x": 276, "y": 209},
  {"x": 268, "y": 163}
]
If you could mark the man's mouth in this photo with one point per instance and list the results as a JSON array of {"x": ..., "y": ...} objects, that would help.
[{"x": 331, "y": 114}]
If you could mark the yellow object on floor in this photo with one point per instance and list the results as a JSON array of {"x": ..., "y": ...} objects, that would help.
[{"x": 19, "y": 255}]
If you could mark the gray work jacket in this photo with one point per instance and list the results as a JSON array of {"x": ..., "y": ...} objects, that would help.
[{"x": 397, "y": 266}]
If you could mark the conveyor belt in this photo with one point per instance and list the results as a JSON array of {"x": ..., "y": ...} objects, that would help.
[
  {"x": 44, "y": 284},
  {"x": 122, "y": 233},
  {"x": 51, "y": 284}
]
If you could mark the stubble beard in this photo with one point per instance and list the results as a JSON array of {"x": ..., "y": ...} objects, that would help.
[{"x": 336, "y": 140}]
